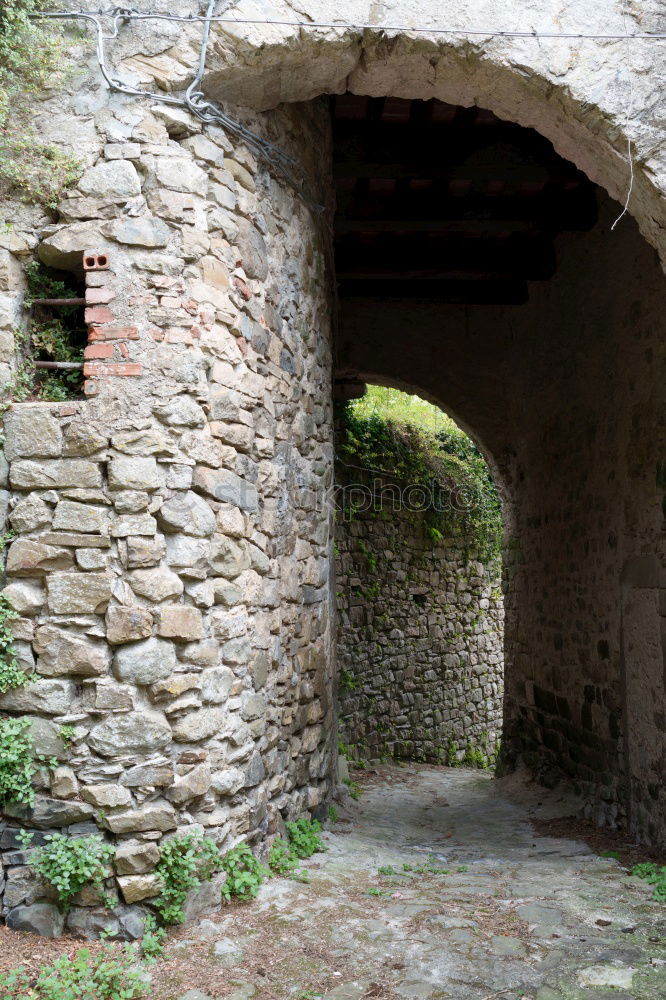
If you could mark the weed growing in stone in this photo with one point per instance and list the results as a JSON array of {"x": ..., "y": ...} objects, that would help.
[
  {"x": 152, "y": 942},
  {"x": 66, "y": 734},
  {"x": 354, "y": 788},
  {"x": 11, "y": 674},
  {"x": 244, "y": 873},
  {"x": 304, "y": 839},
  {"x": 111, "y": 974},
  {"x": 347, "y": 681},
  {"x": 18, "y": 762},
  {"x": 70, "y": 863},
  {"x": 375, "y": 892},
  {"x": 283, "y": 861},
  {"x": 332, "y": 814},
  {"x": 654, "y": 875},
  {"x": 185, "y": 862}
]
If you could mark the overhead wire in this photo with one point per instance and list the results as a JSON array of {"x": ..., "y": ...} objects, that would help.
[
  {"x": 272, "y": 155},
  {"x": 364, "y": 26}
]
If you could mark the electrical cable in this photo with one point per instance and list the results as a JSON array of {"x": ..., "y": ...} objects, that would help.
[{"x": 345, "y": 26}]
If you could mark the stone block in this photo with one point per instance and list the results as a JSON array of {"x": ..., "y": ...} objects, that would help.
[
  {"x": 155, "y": 773},
  {"x": 50, "y": 697},
  {"x": 145, "y": 662},
  {"x": 33, "y": 558},
  {"x": 216, "y": 684},
  {"x": 80, "y": 517},
  {"x": 63, "y": 652},
  {"x": 47, "y": 813},
  {"x": 116, "y": 180},
  {"x": 143, "y": 232},
  {"x": 30, "y": 514},
  {"x": 188, "y": 513},
  {"x": 137, "y": 887},
  {"x": 39, "y": 918},
  {"x": 135, "y": 857},
  {"x": 189, "y": 786},
  {"x": 26, "y": 474},
  {"x": 32, "y": 430},
  {"x": 144, "y": 552},
  {"x": 128, "y": 472},
  {"x": 128, "y": 624},
  {"x": 229, "y": 557},
  {"x": 226, "y": 487},
  {"x": 155, "y": 584},
  {"x": 151, "y": 816},
  {"x": 25, "y": 598},
  {"x": 107, "y": 796},
  {"x": 180, "y": 622},
  {"x": 133, "y": 732},
  {"x": 199, "y": 725},
  {"x": 64, "y": 784},
  {"x": 134, "y": 525},
  {"x": 78, "y": 593}
]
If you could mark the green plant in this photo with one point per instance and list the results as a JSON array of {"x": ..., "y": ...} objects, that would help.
[
  {"x": 347, "y": 681},
  {"x": 332, "y": 814},
  {"x": 152, "y": 942},
  {"x": 354, "y": 788},
  {"x": 281, "y": 860},
  {"x": 375, "y": 892},
  {"x": 413, "y": 442},
  {"x": 70, "y": 863},
  {"x": 31, "y": 59},
  {"x": 17, "y": 762},
  {"x": 185, "y": 862},
  {"x": 655, "y": 876},
  {"x": 109, "y": 974},
  {"x": 387, "y": 870},
  {"x": 67, "y": 734},
  {"x": 244, "y": 873},
  {"x": 11, "y": 674},
  {"x": 462, "y": 868},
  {"x": 304, "y": 839}
]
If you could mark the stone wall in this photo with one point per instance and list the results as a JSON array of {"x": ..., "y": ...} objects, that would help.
[
  {"x": 419, "y": 642},
  {"x": 169, "y": 562}
]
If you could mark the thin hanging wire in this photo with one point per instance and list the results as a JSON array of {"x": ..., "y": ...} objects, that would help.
[{"x": 193, "y": 100}]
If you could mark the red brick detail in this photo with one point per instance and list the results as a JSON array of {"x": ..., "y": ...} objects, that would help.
[
  {"x": 99, "y": 295},
  {"x": 90, "y": 387},
  {"x": 243, "y": 289},
  {"x": 95, "y": 261},
  {"x": 112, "y": 333},
  {"x": 124, "y": 350},
  {"x": 98, "y": 314},
  {"x": 98, "y": 351},
  {"x": 92, "y": 368},
  {"x": 68, "y": 409}
]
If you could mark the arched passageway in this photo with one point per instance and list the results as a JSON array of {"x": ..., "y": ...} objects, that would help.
[
  {"x": 544, "y": 342},
  {"x": 564, "y": 392}
]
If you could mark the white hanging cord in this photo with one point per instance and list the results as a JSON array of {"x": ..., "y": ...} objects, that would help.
[{"x": 135, "y": 15}]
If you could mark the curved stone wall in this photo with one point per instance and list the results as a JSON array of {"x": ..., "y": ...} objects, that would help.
[
  {"x": 170, "y": 556},
  {"x": 419, "y": 643}
]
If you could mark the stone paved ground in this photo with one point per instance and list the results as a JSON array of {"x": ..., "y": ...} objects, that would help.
[{"x": 518, "y": 915}]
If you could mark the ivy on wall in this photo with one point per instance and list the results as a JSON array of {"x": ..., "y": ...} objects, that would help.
[
  {"x": 32, "y": 59},
  {"x": 391, "y": 439}
]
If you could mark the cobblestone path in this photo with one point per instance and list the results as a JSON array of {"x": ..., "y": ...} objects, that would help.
[{"x": 439, "y": 887}]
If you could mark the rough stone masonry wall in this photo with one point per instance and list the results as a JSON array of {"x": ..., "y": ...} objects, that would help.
[
  {"x": 170, "y": 563},
  {"x": 419, "y": 642}
]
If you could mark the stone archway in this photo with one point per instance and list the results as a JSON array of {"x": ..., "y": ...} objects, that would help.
[
  {"x": 584, "y": 653},
  {"x": 579, "y": 93}
]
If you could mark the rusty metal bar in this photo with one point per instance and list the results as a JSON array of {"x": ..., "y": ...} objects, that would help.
[
  {"x": 58, "y": 302},
  {"x": 59, "y": 365}
]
